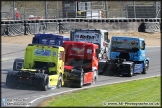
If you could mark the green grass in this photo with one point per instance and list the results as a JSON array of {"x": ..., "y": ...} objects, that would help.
[{"x": 145, "y": 90}]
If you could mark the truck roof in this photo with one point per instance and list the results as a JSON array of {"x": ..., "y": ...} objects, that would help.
[
  {"x": 54, "y": 46},
  {"x": 92, "y": 29},
  {"x": 127, "y": 37},
  {"x": 44, "y": 35},
  {"x": 80, "y": 43}
]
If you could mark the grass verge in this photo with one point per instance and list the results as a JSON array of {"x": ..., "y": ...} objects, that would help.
[{"x": 145, "y": 92}]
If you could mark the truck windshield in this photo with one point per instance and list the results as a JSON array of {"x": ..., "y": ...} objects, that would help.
[
  {"x": 124, "y": 45},
  {"x": 87, "y": 36}
]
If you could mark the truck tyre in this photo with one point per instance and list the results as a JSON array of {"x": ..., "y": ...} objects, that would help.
[
  {"x": 65, "y": 84},
  {"x": 59, "y": 83},
  {"x": 11, "y": 80},
  {"x": 45, "y": 82},
  {"x": 81, "y": 81},
  {"x": 145, "y": 69},
  {"x": 15, "y": 65},
  {"x": 131, "y": 70},
  {"x": 8, "y": 82}
]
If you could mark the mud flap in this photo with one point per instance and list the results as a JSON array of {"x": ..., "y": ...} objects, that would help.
[
  {"x": 102, "y": 66},
  {"x": 18, "y": 64},
  {"x": 128, "y": 69}
]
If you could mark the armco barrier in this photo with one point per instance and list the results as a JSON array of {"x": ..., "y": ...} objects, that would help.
[{"x": 26, "y": 27}]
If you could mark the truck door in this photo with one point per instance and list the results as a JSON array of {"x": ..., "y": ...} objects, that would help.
[
  {"x": 142, "y": 49},
  {"x": 106, "y": 43}
]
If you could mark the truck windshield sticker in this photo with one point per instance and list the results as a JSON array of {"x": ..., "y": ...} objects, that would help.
[
  {"x": 52, "y": 42},
  {"x": 42, "y": 52},
  {"x": 77, "y": 49},
  {"x": 44, "y": 41},
  {"x": 124, "y": 44},
  {"x": 89, "y": 51},
  {"x": 86, "y": 36}
]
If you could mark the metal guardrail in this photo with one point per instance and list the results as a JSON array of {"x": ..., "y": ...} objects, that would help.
[{"x": 84, "y": 20}]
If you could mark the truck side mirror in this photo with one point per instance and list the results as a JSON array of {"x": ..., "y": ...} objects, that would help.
[
  {"x": 51, "y": 65},
  {"x": 97, "y": 52}
]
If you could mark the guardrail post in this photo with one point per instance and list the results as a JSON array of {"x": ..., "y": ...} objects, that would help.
[
  {"x": 25, "y": 28},
  {"x": 60, "y": 27},
  {"x": 7, "y": 30}
]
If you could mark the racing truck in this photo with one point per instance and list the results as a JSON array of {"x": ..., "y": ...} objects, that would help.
[
  {"x": 81, "y": 63},
  {"x": 43, "y": 68},
  {"x": 127, "y": 56},
  {"x": 96, "y": 36},
  {"x": 48, "y": 39}
]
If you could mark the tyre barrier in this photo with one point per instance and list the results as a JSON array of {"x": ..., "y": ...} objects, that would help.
[
  {"x": 13, "y": 28},
  {"x": 151, "y": 27}
]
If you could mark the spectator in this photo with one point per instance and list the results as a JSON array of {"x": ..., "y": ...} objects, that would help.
[{"x": 17, "y": 14}]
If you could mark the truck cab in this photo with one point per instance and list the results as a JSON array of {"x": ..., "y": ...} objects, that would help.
[
  {"x": 43, "y": 67},
  {"x": 46, "y": 39},
  {"x": 128, "y": 52},
  {"x": 96, "y": 36},
  {"x": 81, "y": 63}
]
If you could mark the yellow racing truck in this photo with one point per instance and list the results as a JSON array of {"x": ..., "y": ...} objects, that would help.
[{"x": 43, "y": 68}]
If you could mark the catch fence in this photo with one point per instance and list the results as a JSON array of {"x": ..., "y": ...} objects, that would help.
[{"x": 89, "y": 9}]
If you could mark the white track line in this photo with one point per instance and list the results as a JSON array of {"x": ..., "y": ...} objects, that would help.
[{"x": 53, "y": 94}]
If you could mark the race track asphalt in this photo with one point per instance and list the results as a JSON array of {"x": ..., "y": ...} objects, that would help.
[{"x": 11, "y": 51}]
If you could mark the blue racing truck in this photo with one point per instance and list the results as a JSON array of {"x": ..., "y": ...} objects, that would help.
[
  {"x": 127, "y": 56},
  {"x": 47, "y": 39}
]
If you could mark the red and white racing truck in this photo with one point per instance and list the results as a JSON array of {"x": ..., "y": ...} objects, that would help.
[{"x": 81, "y": 63}]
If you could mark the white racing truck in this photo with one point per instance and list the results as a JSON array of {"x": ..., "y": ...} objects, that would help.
[{"x": 96, "y": 36}]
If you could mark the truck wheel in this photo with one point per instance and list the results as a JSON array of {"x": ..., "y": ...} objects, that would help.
[
  {"x": 45, "y": 84},
  {"x": 43, "y": 81},
  {"x": 131, "y": 71},
  {"x": 81, "y": 81},
  {"x": 65, "y": 84},
  {"x": 145, "y": 69},
  {"x": 8, "y": 82},
  {"x": 59, "y": 83}
]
